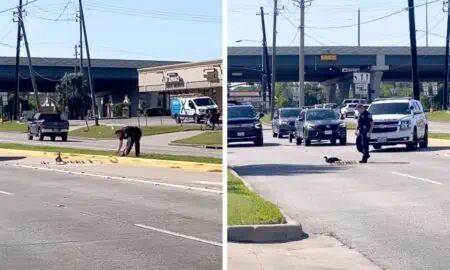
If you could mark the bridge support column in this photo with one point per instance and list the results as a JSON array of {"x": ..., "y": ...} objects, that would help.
[
  {"x": 134, "y": 99},
  {"x": 331, "y": 92},
  {"x": 344, "y": 89},
  {"x": 375, "y": 83}
]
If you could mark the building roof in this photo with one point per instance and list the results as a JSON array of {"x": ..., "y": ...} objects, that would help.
[
  {"x": 96, "y": 63},
  {"x": 341, "y": 50}
]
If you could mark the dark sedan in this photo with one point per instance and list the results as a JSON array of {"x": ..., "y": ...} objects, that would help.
[
  {"x": 244, "y": 125},
  {"x": 283, "y": 121},
  {"x": 318, "y": 125}
]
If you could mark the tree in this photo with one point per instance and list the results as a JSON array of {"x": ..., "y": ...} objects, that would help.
[{"x": 73, "y": 93}]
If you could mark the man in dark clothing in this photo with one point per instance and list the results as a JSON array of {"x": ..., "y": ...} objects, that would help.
[
  {"x": 133, "y": 136},
  {"x": 364, "y": 131}
]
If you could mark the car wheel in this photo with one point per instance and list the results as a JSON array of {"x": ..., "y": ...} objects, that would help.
[
  {"x": 343, "y": 141},
  {"x": 196, "y": 119},
  {"x": 424, "y": 143},
  {"x": 279, "y": 135},
  {"x": 413, "y": 145},
  {"x": 259, "y": 141},
  {"x": 298, "y": 141},
  {"x": 177, "y": 119},
  {"x": 377, "y": 146},
  {"x": 333, "y": 141},
  {"x": 53, "y": 138},
  {"x": 64, "y": 137},
  {"x": 307, "y": 142},
  {"x": 40, "y": 135},
  {"x": 30, "y": 136}
]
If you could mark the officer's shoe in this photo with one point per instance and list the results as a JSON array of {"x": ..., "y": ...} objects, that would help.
[{"x": 363, "y": 161}]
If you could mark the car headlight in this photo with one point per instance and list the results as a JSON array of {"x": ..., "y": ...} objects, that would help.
[
  {"x": 343, "y": 125},
  {"x": 258, "y": 125},
  {"x": 202, "y": 110},
  {"x": 311, "y": 126},
  {"x": 405, "y": 124}
]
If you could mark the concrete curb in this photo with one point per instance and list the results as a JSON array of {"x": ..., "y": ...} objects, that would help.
[
  {"x": 197, "y": 146},
  {"x": 271, "y": 233},
  {"x": 183, "y": 165}
]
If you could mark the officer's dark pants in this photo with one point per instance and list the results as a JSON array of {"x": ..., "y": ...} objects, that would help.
[
  {"x": 135, "y": 139},
  {"x": 365, "y": 145}
]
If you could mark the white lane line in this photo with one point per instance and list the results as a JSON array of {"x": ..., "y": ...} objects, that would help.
[
  {"x": 121, "y": 179},
  {"x": 208, "y": 183},
  {"x": 179, "y": 235},
  {"x": 5, "y": 193},
  {"x": 417, "y": 178}
]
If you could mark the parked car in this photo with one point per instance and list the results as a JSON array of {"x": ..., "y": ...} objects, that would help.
[
  {"x": 399, "y": 121},
  {"x": 349, "y": 110},
  {"x": 357, "y": 112},
  {"x": 48, "y": 125},
  {"x": 244, "y": 125},
  {"x": 192, "y": 107},
  {"x": 357, "y": 101},
  {"x": 319, "y": 125},
  {"x": 283, "y": 121}
]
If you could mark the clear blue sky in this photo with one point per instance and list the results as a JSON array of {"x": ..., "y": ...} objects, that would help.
[
  {"x": 132, "y": 29},
  {"x": 392, "y": 31}
]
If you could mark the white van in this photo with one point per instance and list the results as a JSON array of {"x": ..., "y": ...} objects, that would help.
[{"x": 192, "y": 107}]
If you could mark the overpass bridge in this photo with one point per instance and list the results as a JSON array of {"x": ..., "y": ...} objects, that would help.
[
  {"x": 328, "y": 65},
  {"x": 112, "y": 77}
]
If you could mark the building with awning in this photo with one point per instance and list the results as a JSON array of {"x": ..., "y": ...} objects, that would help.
[{"x": 158, "y": 84}]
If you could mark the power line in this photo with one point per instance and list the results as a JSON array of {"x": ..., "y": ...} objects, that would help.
[{"x": 14, "y": 8}]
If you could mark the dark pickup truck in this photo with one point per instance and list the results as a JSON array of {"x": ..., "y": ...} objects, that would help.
[{"x": 48, "y": 125}]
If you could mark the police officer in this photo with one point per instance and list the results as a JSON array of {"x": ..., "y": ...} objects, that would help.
[
  {"x": 133, "y": 136},
  {"x": 364, "y": 131}
]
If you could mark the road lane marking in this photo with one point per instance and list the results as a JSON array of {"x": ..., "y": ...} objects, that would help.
[
  {"x": 417, "y": 178},
  {"x": 5, "y": 193},
  {"x": 122, "y": 179},
  {"x": 208, "y": 183},
  {"x": 179, "y": 235}
]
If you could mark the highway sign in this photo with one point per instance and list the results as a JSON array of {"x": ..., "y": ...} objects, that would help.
[
  {"x": 351, "y": 69},
  {"x": 328, "y": 57},
  {"x": 434, "y": 86},
  {"x": 426, "y": 89},
  {"x": 361, "y": 78},
  {"x": 361, "y": 89},
  {"x": 5, "y": 100}
]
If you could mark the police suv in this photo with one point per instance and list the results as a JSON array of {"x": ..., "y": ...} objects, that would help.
[{"x": 399, "y": 121}]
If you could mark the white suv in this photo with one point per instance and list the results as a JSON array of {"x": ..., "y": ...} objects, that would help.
[{"x": 399, "y": 121}]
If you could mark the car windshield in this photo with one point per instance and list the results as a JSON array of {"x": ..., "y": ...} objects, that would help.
[
  {"x": 50, "y": 117},
  {"x": 352, "y": 105},
  {"x": 389, "y": 108},
  {"x": 241, "y": 112},
  {"x": 321, "y": 115},
  {"x": 289, "y": 113},
  {"x": 203, "y": 101}
]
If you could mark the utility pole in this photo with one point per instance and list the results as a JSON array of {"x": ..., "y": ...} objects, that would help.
[
  {"x": 81, "y": 40},
  {"x": 359, "y": 27},
  {"x": 301, "y": 60},
  {"x": 19, "y": 39},
  {"x": 447, "y": 44},
  {"x": 91, "y": 83},
  {"x": 274, "y": 60},
  {"x": 426, "y": 22},
  {"x": 266, "y": 81},
  {"x": 412, "y": 36},
  {"x": 30, "y": 66},
  {"x": 76, "y": 57}
]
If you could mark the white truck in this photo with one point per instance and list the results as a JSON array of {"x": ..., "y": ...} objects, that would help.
[
  {"x": 399, "y": 121},
  {"x": 195, "y": 107}
]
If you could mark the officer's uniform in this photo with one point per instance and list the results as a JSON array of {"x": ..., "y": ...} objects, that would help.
[
  {"x": 364, "y": 122},
  {"x": 133, "y": 136}
]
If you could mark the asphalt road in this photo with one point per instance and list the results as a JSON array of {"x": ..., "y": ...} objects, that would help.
[
  {"x": 150, "y": 144},
  {"x": 394, "y": 210},
  {"x": 50, "y": 220}
]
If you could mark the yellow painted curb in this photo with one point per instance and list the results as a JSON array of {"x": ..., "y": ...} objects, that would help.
[
  {"x": 439, "y": 142},
  {"x": 184, "y": 165}
]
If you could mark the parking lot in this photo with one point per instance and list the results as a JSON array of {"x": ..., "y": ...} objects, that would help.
[{"x": 393, "y": 210}]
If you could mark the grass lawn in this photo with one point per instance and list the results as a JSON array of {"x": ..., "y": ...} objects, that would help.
[
  {"x": 440, "y": 116},
  {"x": 13, "y": 127},
  {"x": 69, "y": 150},
  {"x": 246, "y": 207},
  {"x": 105, "y": 132},
  {"x": 443, "y": 136},
  {"x": 266, "y": 119},
  {"x": 207, "y": 138}
]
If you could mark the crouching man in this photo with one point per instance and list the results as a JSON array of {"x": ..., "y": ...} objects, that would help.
[{"x": 133, "y": 136}]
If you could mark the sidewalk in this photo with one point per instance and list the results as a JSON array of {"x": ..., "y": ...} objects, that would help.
[{"x": 316, "y": 252}]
